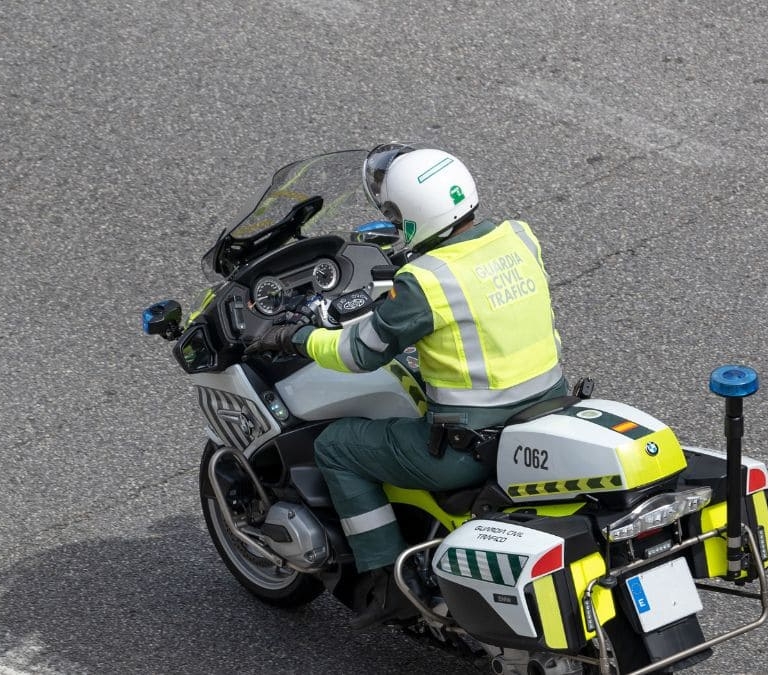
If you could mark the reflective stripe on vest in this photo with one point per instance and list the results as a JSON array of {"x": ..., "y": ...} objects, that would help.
[{"x": 494, "y": 342}]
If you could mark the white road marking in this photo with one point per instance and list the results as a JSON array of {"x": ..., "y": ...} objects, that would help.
[
  {"x": 27, "y": 656},
  {"x": 635, "y": 130}
]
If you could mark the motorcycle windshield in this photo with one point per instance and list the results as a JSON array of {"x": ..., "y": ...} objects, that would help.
[{"x": 316, "y": 196}]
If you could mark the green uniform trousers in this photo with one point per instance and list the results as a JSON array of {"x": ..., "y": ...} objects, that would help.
[{"x": 357, "y": 455}]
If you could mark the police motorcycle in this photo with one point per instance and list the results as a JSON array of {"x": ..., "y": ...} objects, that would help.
[{"x": 588, "y": 552}]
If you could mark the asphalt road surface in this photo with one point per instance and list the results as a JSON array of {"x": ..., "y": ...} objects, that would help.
[{"x": 632, "y": 136}]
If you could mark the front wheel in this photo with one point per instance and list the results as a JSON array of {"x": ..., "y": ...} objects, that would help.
[{"x": 280, "y": 586}]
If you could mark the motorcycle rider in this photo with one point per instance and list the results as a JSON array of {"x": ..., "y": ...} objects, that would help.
[{"x": 476, "y": 305}]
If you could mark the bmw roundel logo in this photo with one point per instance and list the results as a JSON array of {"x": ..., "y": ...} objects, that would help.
[{"x": 651, "y": 448}]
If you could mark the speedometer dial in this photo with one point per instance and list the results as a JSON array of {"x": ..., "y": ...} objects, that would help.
[
  {"x": 325, "y": 275},
  {"x": 268, "y": 295}
]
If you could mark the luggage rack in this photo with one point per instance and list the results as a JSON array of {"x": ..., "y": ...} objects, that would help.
[{"x": 610, "y": 580}]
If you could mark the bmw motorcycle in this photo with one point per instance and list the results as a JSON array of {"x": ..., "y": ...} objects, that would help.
[{"x": 587, "y": 552}]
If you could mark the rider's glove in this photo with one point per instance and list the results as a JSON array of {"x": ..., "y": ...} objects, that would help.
[
  {"x": 301, "y": 317},
  {"x": 276, "y": 339}
]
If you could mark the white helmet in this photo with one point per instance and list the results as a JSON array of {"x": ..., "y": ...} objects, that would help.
[{"x": 424, "y": 192}]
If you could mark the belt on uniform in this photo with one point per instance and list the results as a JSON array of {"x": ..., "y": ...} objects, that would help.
[{"x": 482, "y": 444}]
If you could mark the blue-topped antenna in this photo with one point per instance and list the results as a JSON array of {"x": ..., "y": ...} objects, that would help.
[{"x": 734, "y": 383}]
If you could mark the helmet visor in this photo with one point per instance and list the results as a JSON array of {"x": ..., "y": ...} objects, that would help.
[{"x": 375, "y": 168}]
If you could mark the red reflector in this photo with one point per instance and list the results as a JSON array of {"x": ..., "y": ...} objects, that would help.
[
  {"x": 550, "y": 562},
  {"x": 756, "y": 480}
]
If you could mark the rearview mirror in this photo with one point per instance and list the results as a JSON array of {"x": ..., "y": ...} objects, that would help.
[
  {"x": 379, "y": 232},
  {"x": 163, "y": 318}
]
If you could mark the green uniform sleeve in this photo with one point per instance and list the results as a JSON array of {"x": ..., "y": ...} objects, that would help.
[{"x": 399, "y": 321}]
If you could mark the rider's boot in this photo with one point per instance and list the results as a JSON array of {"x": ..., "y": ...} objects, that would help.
[{"x": 386, "y": 602}]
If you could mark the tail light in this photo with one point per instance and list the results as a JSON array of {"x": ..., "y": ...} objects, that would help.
[{"x": 658, "y": 512}]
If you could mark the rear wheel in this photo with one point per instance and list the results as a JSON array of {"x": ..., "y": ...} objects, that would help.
[{"x": 281, "y": 586}]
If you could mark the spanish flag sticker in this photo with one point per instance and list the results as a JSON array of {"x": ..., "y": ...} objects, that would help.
[{"x": 624, "y": 427}]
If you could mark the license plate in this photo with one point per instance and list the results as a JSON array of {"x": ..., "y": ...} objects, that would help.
[{"x": 664, "y": 594}]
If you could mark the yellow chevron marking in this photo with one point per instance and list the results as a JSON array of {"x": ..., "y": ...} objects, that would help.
[
  {"x": 592, "y": 484},
  {"x": 409, "y": 383}
]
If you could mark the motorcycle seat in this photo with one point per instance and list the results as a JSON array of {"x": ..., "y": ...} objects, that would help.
[{"x": 542, "y": 408}]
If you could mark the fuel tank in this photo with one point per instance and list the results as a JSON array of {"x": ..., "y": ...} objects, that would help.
[
  {"x": 317, "y": 393},
  {"x": 594, "y": 446}
]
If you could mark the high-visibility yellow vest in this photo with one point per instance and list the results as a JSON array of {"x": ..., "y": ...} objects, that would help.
[{"x": 494, "y": 341}]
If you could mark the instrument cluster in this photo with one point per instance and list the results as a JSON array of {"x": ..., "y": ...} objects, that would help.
[{"x": 269, "y": 294}]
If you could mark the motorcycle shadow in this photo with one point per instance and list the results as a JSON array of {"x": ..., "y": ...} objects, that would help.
[{"x": 164, "y": 603}]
